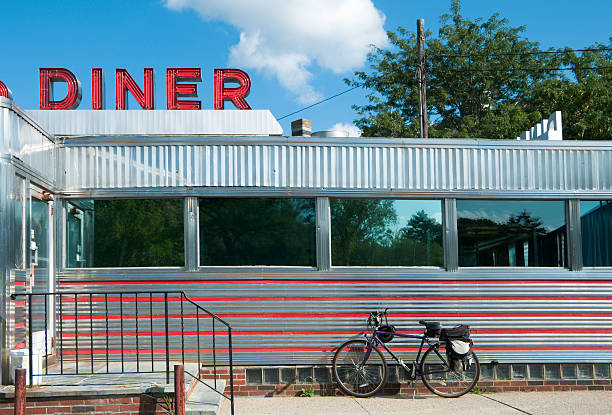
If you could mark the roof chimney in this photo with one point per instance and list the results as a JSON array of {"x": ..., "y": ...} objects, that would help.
[{"x": 301, "y": 128}]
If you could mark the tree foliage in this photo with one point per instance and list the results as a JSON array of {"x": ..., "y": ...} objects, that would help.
[
  {"x": 484, "y": 79},
  {"x": 138, "y": 233},
  {"x": 363, "y": 234}
]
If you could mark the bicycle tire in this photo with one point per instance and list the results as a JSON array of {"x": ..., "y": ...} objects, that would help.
[
  {"x": 441, "y": 380},
  {"x": 355, "y": 381}
]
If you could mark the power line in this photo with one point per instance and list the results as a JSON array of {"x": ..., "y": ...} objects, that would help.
[
  {"x": 591, "y": 68},
  {"x": 539, "y": 52},
  {"x": 319, "y": 102},
  {"x": 463, "y": 70}
]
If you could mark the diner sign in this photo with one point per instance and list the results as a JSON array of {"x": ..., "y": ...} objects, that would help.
[{"x": 180, "y": 84}]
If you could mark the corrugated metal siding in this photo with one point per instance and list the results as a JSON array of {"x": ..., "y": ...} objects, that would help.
[
  {"x": 394, "y": 166},
  {"x": 298, "y": 316},
  {"x": 20, "y": 138}
]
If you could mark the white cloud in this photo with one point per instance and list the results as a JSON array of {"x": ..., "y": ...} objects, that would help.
[
  {"x": 284, "y": 38},
  {"x": 349, "y": 128}
]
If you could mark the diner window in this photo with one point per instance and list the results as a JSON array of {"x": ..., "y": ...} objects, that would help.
[
  {"x": 505, "y": 233},
  {"x": 245, "y": 231},
  {"x": 596, "y": 228},
  {"x": 385, "y": 232},
  {"x": 124, "y": 233}
]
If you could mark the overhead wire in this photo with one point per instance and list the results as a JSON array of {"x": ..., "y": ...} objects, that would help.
[
  {"x": 539, "y": 52},
  {"x": 318, "y": 102},
  {"x": 594, "y": 68}
]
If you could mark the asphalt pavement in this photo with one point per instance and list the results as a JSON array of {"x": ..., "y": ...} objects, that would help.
[{"x": 540, "y": 403}]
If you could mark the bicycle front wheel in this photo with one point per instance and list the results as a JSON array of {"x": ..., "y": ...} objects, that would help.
[
  {"x": 357, "y": 375},
  {"x": 442, "y": 380}
]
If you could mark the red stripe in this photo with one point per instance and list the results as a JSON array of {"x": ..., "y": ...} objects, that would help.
[
  {"x": 19, "y": 283},
  {"x": 19, "y": 303},
  {"x": 326, "y": 349},
  {"x": 327, "y": 282},
  {"x": 18, "y": 325},
  {"x": 325, "y": 332},
  {"x": 338, "y": 315},
  {"x": 126, "y": 299},
  {"x": 415, "y": 298},
  {"x": 20, "y": 346}
]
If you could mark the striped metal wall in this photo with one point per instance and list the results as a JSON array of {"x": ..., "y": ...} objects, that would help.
[
  {"x": 320, "y": 165},
  {"x": 297, "y": 316}
]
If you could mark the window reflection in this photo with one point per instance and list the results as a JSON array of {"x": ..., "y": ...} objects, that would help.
[
  {"x": 257, "y": 232},
  {"x": 596, "y": 228},
  {"x": 386, "y": 232},
  {"x": 511, "y": 233},
  {"x": 124, "y": 233}
]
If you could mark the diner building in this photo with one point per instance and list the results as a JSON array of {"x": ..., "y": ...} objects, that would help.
[{"x": 294, "y": 239}]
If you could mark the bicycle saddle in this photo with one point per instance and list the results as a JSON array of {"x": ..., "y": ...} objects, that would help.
[{"x": 429, "y": 323}]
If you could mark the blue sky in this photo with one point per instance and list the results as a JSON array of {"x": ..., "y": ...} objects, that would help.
[{"x": 318, "y": 47}]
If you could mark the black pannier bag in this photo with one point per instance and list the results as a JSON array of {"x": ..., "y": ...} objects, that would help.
[{"x": 458, "y": 347}]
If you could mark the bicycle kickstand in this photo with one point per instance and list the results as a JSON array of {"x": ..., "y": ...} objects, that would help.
[{"x": 414, "y": 382}]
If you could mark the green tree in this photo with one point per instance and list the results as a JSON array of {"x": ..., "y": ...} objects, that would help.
[
  {"x": 138, "y": 233},
  {"x": 484, "y": 79},
  {"x": 359, "y": 227},
  {"x": 252, "y": 231},
  {"x": 422, "y": 228},
  {"x": 583, "y": 96}
]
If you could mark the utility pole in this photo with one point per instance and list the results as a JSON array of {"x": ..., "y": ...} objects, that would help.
[{"x": 421, "y": 78}]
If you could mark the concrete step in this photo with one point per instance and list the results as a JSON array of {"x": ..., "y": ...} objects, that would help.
[{"x": 203, "y": 400}]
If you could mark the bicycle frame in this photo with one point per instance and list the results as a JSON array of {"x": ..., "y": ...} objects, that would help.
[{"x": 417, "y": 371}]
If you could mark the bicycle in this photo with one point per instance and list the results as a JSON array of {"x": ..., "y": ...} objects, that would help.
[{"x": 360, "y": 368}]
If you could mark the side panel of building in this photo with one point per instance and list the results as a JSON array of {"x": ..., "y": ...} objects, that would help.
[
  {"x": 327, "y": 165},
  {"x": 298, "y": 316}
]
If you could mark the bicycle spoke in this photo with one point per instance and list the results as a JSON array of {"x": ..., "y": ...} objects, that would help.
[
  {"x": 356, "y": 375},
  {"x": 441, "y": 379}
]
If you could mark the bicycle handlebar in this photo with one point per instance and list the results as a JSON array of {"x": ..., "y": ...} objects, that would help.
[{"x": 376, "y": 318}]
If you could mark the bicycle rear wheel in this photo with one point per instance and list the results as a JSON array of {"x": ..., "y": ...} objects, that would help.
[
  {"x": 355, "y": 375},
  {"x": 439, "y": 378}
]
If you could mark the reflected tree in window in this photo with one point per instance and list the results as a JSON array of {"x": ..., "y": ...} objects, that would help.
[
  {"x": 138, "y": 233},
  {"x": 365, "y": 233},
  {"x": 520, "y": 240},
  {"x": 420, "y": 239},
  {"x": 257, "y": 232}
]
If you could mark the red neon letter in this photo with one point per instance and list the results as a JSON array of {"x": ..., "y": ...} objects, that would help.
[
  {"x": 4, "y": 91},
  {"x": 174, "y": 91},
  {"x": 47, "y": 76},
  {"x": 123, "y": 82},
  {"x": 97, "y": 90},
  {"x": 238, "y": 94}
]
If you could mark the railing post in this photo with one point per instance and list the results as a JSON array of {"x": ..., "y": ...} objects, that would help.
[
  {"x": 20, "y": 391},
  {"x": 167, "y": 340},
  {"x": 30, "y": 335},
  {"x": 179, "y": 390},
  {"x": 231, "y": 364}
]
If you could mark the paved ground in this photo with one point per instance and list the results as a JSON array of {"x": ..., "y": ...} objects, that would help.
[{"x": 535, "y": 403}]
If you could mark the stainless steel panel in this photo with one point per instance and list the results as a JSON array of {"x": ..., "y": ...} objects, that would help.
[
  {"x": 325, "y": 166},
  {"x": 323, "y": 243},
  {"x": 574, "y": 236},
  {"x": 22, "y": 139},
  {"x": 297, "y": 315},
  {"x": 192, "y": 234},
  {"x": 450, "y": 236}
]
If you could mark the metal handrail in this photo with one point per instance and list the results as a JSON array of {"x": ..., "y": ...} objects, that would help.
[{"x": 88, "y": 314}]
